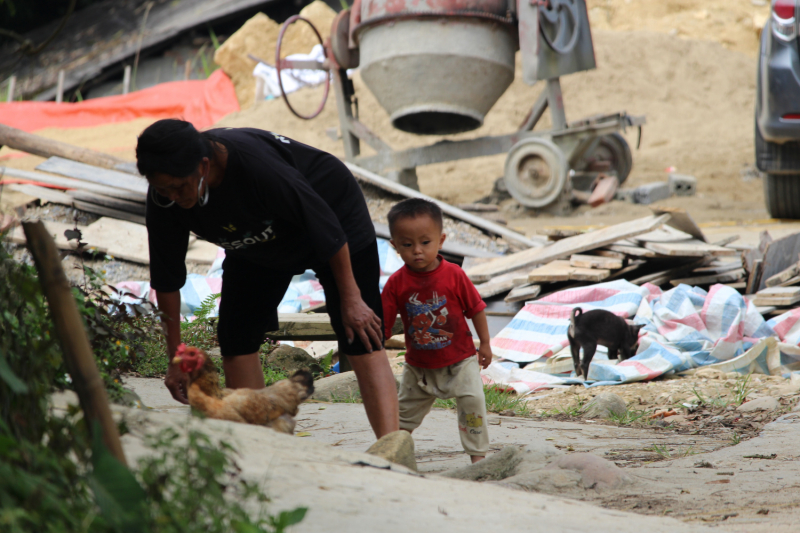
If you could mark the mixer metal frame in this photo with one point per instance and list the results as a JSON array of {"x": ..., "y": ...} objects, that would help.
[{"x": 574, "y": 139}]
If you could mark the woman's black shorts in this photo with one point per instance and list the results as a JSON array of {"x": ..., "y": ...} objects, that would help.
[{"x": 251, "y": 294}]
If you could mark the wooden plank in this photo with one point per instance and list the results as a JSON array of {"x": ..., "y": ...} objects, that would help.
[
  {"x": 633, "y": 266},
  {"x": 43, "y": 193},
  {"x": 449, "y": 247},
  {"x": 663, "y": 234},
  {"x": 128, "y": 241},
  {"x": 664, "y": 276},
  {"x": 563, "y": 271},
  {"x": 108, "y": 212},
  {"x": 594, "y": 261},
  {"x": 73, "y": 184},
  {"x": 726, "y": 277},
  {"x": 779, "y": 255},
  {"x": 480, "y": 222},
  {"x": 681, "y": 220},
  {"x": 609, "y": 253},
  {"x": 501, "y": 284},
  {"x": 791, "y": 281},
  {"x": 754, "y": 277},
  {"x": 556, "y": 234},
  {"x": 312, "y": 327},
  {"x": 551, "y": 272},
  {"x": 564, "y": 248},
  {"x": 630, "y": 250},
  {"x": 718, "y": 268},
  {"x": 777, "y": 296},
  {"x": 96, "y": 175},
  {"x": 738, "y": 285},
  {"x": 519, "y": 294},
  {"x": 690, "y": 248},
  {"x": 41, "y": 146},
  {"x": 56, "y": 230},
  {"x": 780, "y": 277},
  {"x": 108, "y": 201}
]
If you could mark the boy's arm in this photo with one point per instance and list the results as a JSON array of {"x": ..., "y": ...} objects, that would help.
[
  {"x": 482, "y": 328},
  {"x": 389, "y": 308}
]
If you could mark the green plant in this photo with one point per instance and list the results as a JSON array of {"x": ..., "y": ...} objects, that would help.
[
  {"x": 213, "y": 36},
  {"x": 666, "y": 453},
  {"x": 741, "y": 389},
  {"x": 499, "y": 400},
  {"x": 449, "y": 403},
  {"x": 353, "y": 397},
  {"x": 735, "y": 439},
  {"x": 628, "y": 417},
  {"x": 572, "y": 410}
]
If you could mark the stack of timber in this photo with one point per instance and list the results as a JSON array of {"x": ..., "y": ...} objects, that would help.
[
  {"x": 773, "y": 269},
  {"x": 666, "y": 249},
  {"x": 91, "y": 181}
]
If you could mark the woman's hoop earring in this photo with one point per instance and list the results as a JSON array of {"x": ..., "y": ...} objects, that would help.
[
  {"x": 154, "y": 196},
  {"x": 204, "y": 200}
]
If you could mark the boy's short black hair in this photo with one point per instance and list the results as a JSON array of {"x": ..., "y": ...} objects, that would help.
[{"x": 413, "y": 208}]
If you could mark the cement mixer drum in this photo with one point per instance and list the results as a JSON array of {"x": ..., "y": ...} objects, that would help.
[{"x": 436, "y": 70}]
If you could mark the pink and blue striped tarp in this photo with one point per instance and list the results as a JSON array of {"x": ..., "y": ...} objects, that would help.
[{"x": 685, "y": 328}]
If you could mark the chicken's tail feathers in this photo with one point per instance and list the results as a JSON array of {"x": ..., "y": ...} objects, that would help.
[{"x": 304, "y": 377}]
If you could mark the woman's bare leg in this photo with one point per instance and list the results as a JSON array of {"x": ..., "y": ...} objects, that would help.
[
  {"x": 243, "y": 372},
  {"x": 378, "y": 390}
]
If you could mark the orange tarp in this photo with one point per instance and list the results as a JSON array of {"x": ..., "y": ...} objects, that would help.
[{"x": 201, "y": 102}]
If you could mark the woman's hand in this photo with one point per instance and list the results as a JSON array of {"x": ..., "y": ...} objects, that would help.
[
  {"x": 177, "y": 382},
  {"x": 359, "y": 319}
]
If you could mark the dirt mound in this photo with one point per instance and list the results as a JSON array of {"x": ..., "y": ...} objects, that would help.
[
  {"x": 697, "y": 95},
  {"x": 259, "y": 36},
  {"x": 733, "y": 23}
]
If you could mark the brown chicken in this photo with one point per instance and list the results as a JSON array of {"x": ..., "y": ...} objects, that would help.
[{"x": 274, "y": 406}]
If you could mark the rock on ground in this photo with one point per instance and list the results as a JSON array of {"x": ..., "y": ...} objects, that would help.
[
  {"x": 397, "y": 447},
  {"x": 340, "y": 387},
  {"x": 508, "y": 462},
  {"x": 604, "y": 404},
  {"x": 767, "y": 403},
  {"x": 289, "y": 360},
  {"x": 596, "y": 472}
]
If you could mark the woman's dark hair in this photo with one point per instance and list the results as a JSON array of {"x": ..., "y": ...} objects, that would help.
[
  {"x": 413, "y": 208},
  {"x": 172, "y": 147}
]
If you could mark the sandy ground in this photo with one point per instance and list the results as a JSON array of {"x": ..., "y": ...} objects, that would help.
[{"x": 694, "y": 477}]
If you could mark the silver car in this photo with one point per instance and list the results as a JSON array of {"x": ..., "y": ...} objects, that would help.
[{"x": 778, "y": 110}]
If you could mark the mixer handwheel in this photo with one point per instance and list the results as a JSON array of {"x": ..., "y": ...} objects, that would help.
[
  {"x": 279, "y": 66},
  {"x": 561, "y": 16},
  {"x": 536, "y": 172}
]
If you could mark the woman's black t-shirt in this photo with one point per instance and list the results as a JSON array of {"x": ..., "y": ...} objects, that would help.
[{"x": 282, "y": 204}]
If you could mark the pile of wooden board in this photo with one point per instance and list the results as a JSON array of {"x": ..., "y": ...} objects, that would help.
[
  {"x": 667, "y": 248},
  {"x": 86, "y": 187}
]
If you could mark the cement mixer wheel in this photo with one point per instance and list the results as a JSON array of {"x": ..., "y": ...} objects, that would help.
[
  {"x": 536, "y": 172},
  {"x": 615, "y": 151},
  {"x": 291, "y": 20}
]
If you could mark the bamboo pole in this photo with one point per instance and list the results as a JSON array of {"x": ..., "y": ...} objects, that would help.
[
  {"x": 126, "y": 80},
  {"x": 36, "y": 145},
  {"x": 70, "y": 331},
  {"x": 60, "y": 87},
  {"x": 12, "y": 85}
]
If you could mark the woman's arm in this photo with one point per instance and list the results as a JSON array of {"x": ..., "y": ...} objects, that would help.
[
  {"x": 357, "y": 316},
  {"x": 169, "y": 303}
]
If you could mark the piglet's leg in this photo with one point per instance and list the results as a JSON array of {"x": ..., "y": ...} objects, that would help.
[{"x": 588, "y": 354}]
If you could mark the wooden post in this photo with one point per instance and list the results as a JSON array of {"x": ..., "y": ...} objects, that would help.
[
  {"x": 60, "y": 88},
  {"x": 12, "y": 85},
  {"x": 126, "y": 80},
  {"x": 36, "y": 145},
  {"x": 70, "y": 331}
]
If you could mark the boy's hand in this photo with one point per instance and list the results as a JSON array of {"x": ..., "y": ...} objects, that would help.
[{"x": 485, "y": 355}]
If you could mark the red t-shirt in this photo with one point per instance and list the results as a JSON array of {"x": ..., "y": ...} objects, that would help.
[{"x": 434, "y": 307}]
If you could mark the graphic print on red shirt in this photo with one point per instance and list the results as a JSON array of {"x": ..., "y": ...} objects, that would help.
[
  {"x": 426, "y": 321},
  {"x": 434, "y": 307}
]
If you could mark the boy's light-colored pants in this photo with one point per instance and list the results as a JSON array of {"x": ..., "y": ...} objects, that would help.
[{"x": 419, "y": 388}]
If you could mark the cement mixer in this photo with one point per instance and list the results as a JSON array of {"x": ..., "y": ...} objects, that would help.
[{"x": 438, "y": 67}]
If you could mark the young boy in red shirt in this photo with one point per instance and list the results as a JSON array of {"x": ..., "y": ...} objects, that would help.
[{"x": 435, "y": 298}]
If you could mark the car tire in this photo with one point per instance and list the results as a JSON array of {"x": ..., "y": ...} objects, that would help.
[{"x": 782, "y": 195}]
